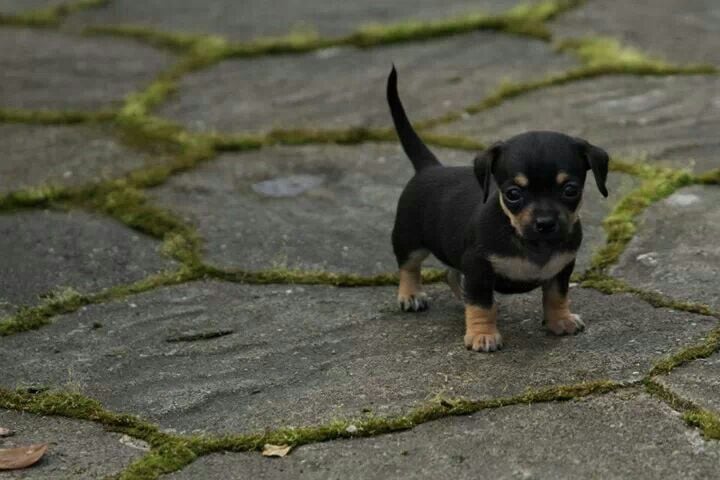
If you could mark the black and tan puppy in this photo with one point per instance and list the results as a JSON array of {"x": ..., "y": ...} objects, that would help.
[{"x": 508, "y": 224}]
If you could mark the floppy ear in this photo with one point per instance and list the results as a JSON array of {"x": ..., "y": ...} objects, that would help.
[
  {"x": 596, "y": 160},
  {"x": 484, "y": 166}
]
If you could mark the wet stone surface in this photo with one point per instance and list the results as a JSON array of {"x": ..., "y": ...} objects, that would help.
[
  {"x": 676, "y": 250},
  {"x": 310, "y": 354},
  {"x": 698, "y": 382},
  {"x": 345, "y": 87},
  {"x": 263, "y": 209},
  {"x": 62, "y": 156},
  {"x": 257, "y": 18},
  {"x": 682, "y": 31},
  {"x": 47, "y": 69},
  {"x": 673, "y": 120},
  {"x": 76, "y": 449},
  {"x": 633, "y": 436},
  {"x": 46, "y": 251}
]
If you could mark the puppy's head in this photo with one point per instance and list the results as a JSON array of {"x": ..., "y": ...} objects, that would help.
[{"x": 540, "y": 178}]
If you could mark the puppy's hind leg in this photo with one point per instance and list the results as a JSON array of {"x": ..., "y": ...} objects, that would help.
[{"x": 411, "y": 298}]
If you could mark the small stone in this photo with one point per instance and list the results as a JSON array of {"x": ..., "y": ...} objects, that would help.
[{"x": 351, "y": 429}]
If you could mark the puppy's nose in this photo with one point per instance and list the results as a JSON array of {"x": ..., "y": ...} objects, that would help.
[{"x": 546, "y": 225}]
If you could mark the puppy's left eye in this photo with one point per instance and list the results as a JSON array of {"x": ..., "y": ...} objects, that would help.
[
  {"x": 513, "y": 194},
  {"x": 570, "y": 191}
]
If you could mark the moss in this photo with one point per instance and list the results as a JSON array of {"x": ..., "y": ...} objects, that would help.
[
  {"x": 50, "y": 117},
  {"x": 168, "y": 457},
  {"x": 68, "y": 301},
  {"x": 176, "y": 41},
  {"x": 602, "y": 53},
  {"x": 372, "y": 426},
  {"x": 711, "y": 177},
  {"x": 621, "y": 224},
  {"x": 282, "y": 275},
  {"x": 707, "y": 421},
  {"x": 50, "y": 16},
  {"x": 707, "y": 347}
]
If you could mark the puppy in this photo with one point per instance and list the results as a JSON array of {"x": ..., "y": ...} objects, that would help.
[{"x": 508, "y": 224}]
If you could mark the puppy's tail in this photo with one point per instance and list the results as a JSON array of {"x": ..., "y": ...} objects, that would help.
[{"x": 419, "y": 154}]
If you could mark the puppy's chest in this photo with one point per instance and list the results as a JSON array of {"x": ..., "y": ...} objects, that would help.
[{"x": 522, "y": 269}]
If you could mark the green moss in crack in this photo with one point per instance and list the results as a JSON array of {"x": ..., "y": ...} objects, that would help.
[
  {"x": 50, "y": 16},
  {"x": 609, "y": 285},
  {"x": 372, "y": 426},
  {"x": 600, "y": 53},
  {"x": 69, "y": 300},
  {"x": 620, "y": 225},
  {"x": 707, "y": 421},
  {"x": 51, "y": 117},
  {"x": 169, "y": 457},
  {"x": 707, "y": 347},
  {"x": 711, "y": 177},
  {"x": 283, "y": 275}
]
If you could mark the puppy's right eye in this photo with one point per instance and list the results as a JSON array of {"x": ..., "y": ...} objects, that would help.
[{"x": 513, "y": 195}]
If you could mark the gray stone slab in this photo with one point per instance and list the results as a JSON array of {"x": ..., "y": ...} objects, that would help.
[
  {"x": 62, "y": 156},
  {"x": 613, "y": 437},
  {"x": 256, "y": 18},
  {"x": 337, "y": 211},
  {"x": 300, "y": 355},
  {"x": 698, "y": 382},
  {"x": 22, "y": 6},
  {"x": 76, "y": 449},
  {"x": 45, "y": 69},
  {"x": 683, "y": 31},
  {"x": 344, "y": 87},
  {"x": 44, "y": 251},
  {"x": 676, "y": 250},
  {"x": 673, "y": 120}
]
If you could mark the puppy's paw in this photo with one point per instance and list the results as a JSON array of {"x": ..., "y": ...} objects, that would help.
[
  {"x": 416, "y": 302},
  {"x": 484, "y": 342},
  {"x": 569, "y": 324}
]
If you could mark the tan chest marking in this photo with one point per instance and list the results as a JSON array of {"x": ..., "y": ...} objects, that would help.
[{"x": 519, "y": 268}]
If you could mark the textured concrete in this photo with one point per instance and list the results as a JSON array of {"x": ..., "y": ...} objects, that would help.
[
  {"x": 673, "y": 120},
  {"x": 62, "y": 156},
  {"x": 256, "y": 18},
  {"x": 683, "y": 31},
  {"x": 45, "y": 69},
  {"x": 676, "y": 250},
  {"x": 340, "y": 88},
  {"x": 76, "y": 449},
  {"x": 50, "y": 251},
  {"x": 302, "y": 355},
  {"x": 613, "y": 437}
]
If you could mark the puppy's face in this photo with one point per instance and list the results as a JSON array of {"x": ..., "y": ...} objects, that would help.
[{"x": 540, "y": 178}]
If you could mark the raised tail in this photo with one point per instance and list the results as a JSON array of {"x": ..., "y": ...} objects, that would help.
[{"x": 418, "y": 153}]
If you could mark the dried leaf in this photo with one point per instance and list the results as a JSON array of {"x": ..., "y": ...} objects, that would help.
[
  {"x": 6, "y": 432},
  {"x": 21, "y": 457},
  {"x": 275, "y": 450}
]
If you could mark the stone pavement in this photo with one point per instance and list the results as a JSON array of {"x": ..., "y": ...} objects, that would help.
[{"x": 195, "y": 209}]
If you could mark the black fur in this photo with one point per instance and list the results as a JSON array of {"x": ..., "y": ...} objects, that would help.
[{"x": 456, "y": 212}]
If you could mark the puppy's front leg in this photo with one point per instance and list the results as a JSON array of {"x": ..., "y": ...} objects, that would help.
[
  {"x": 556, "y": 306},
  {"x": 481, "y": 333}
]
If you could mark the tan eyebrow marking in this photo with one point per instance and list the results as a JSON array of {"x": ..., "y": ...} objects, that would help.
[
  {"x": 521, "y": 180},
  {"x": 561, "y": 177}
]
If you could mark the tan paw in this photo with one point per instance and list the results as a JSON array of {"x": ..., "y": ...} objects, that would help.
[
  {"x": 570, "y": 324},
  {"x": 483, "y": 342},
  {"x": 416, "y": 302}
]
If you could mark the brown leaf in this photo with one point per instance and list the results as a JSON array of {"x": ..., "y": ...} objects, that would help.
[
  {"x": 275, "y": 450},
  {"x": 21, "y": 457},
  {"x": 6, "y": 432}
]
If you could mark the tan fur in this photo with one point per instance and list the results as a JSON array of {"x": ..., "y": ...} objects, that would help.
[
  {"x": 481, "y": 333},
  {"x": 520, "y": 268},
  {"x": 561, "y": 177},
  {"x": 519, "y": 221},
  {"x": 521, "y": 180},
  {"x": 556, "y": 310}
]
